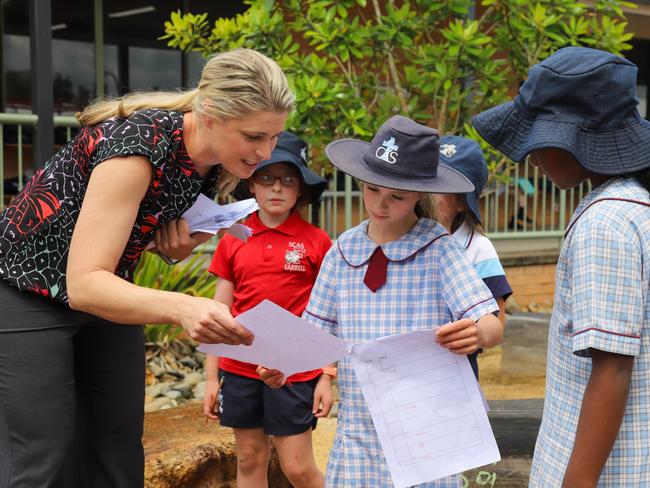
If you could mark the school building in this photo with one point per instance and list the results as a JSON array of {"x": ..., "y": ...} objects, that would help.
[{"x": 57, "y": 55}]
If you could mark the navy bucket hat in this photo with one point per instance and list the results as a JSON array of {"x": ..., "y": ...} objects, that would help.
[
  {"x": 292, "y": 150},
  {"x": 402, "y": 155},
  {"x": 581, "y": 100},
  {"x": 465, "y": 156}
]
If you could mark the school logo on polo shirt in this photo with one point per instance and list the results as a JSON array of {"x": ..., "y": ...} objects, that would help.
[{"x": 293, "y": 257}]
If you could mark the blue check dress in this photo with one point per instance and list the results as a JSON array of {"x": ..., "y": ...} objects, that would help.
[{"x": 429, "y": 283}]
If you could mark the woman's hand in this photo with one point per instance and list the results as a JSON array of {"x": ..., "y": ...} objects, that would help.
[
  {"x": 323, "y": 396},
  {"x": 460, "y": 337},
  {"x": 271, "y": 377},
  {"x": 175, "y": 241},
  {"x": 211, "y": 400},
  {"x": 210, "y": 322}
]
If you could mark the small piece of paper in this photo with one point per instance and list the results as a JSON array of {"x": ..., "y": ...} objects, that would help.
[
  {"x": 210, "y": 217},
  {"x": 240, "y": 231}
]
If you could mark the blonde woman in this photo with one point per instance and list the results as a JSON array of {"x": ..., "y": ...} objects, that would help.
[{"x": 71, "y": 378}]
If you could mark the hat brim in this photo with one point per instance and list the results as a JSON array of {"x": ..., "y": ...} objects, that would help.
[
  {"x": 347, "y": 155},
  {"x": 611, "y": 152},
  {"x": 473, "y": 204},
  {"x": 313, "y": 183}
]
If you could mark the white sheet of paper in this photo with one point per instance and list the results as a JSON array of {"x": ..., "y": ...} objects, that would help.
[
  {"x": 426, "y": 407},
  {"x": 208, "y": 216},
  {"x": 282, "y": 341},
  {"x": 240, "y": 231}
]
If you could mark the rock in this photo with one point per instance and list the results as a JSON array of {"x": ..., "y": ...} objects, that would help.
[
  {"x": 157, "y": 389},
  {"x": 189, "y": 362},
  {"x": 193, "y": 379},
  {"x": 512, "y": 306},
  {"x": 176, "y": 374},
  {"x": 182, "y": 348},
  {"x": 181, "y": 451},
  {"x": 533, "y": 307},
  {"x": 150, "y": 378},
  {"x": 185, "y": 390},
  {"x": 158, "y": 404},
  {"x": 199, "y": 391},
  {"x": 174, "y": 394},
  {"x": 156, "y": 370}
]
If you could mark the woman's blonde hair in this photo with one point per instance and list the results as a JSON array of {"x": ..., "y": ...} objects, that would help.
[{"x": 233, "y": 84}]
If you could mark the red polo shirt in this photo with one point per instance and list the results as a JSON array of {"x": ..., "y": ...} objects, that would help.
[{"x": 279, "y": 264}]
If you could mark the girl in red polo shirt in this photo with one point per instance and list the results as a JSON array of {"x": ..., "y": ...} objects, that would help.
[{"x": 279, "y": 262}]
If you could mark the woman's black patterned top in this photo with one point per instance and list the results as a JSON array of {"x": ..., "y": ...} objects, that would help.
[{"x": 36, "y": 229}]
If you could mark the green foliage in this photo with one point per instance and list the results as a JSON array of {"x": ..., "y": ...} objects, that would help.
[
  {"x": 188, "y": 276},
  {"x": 354, "y": 63}
]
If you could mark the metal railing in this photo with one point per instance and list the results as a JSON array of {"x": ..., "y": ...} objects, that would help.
[{"x": 529, "y": 208}]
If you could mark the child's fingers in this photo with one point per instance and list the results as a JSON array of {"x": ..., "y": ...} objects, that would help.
[
  {"x": 327, "y": 407},
  {"x": 456, "y": 330},
  {"x": 454, "y": 327},
  {"x": 463, "y": 346}
]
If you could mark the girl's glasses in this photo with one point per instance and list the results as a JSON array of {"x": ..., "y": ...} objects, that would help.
[{"x": 269, "y": 180}]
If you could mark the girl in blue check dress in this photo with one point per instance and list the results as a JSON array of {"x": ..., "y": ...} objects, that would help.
[
  {"x": 576, "y": 119},
  {"x": 397, "y": 272}
]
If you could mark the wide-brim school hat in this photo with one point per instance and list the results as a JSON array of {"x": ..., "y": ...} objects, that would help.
[
  {"x": 581, "y": 100},
  {"x": 402, "y": 155},
  {"x": 465, "y": 156},
  {"x": 292, "y": 150}
]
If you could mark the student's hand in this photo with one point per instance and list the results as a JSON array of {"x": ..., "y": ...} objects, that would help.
[
  {"x": 211, "y": 400},
  {"x": 460, "y": 337},
  {"x": 210, "y": 322},
  {"x": 323, "y": 396},
  {"x": 175, "y": 241},
  {"x": 271, "y": 377}
]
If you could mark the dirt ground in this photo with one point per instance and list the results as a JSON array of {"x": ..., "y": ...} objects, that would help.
[{"x": 495, "y": 386}]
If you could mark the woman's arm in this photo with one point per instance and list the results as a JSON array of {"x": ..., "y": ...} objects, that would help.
[
  {"x": 109, "y": 209},
  {"x": 601, "y": 414}
]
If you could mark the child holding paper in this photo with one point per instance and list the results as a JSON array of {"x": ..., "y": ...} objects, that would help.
[
  {"x": 397, "y": 272},
  {"x": 576, "y": 118},
  {"x": 279, "y": 262}
]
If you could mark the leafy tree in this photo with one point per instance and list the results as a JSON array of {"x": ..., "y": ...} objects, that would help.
[{"x": 354, "y": 63}]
